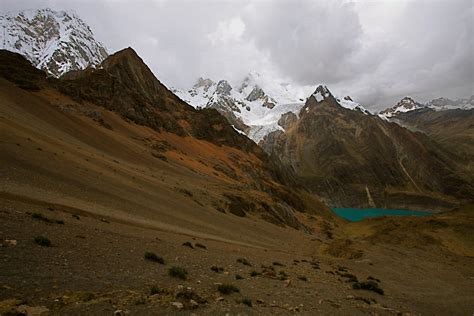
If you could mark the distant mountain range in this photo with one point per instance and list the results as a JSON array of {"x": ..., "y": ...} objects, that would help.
[
  {"x": 255, "y": 106},
  {"x": 411, "y": 155},
  {"x": 407, "y": 104},
  {"x": 54, "y": 41}
]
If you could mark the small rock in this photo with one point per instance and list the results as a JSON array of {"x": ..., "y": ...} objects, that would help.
[
  {"x": 32, "y": 310},
  {"x": 10, "y": 242},
  {"x": 178, "y": 305},
  {"x": 118, "y": 312},
  {"x": 259, "y": 301},
  {"x": 193, "y": 303},
  {"x": 219, "y": 299}
]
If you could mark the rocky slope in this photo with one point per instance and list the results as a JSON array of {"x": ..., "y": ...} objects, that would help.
[
  {"x": 199, "y": 143},
  {"x": 54, "y": 41},
  {"x": 256, "y": 106},
  {"x": 351, "y": 159}
]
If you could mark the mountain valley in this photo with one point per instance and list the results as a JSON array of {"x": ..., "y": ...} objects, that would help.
[{"x": 121, "y": 196}]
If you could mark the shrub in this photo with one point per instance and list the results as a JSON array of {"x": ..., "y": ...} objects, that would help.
[
  {"x": 276, "y": 263},
  {"x": 247, "y": 301},
  {"x": 369, "y": 286},
  {"x": 227, "y": 289},
  {"x": 151, "y": 256},
  {"x": 283, "y": 275},
  {"x": 244, "y": 261},
  {"x": 154, "y": 290},
  {"x": 217, "y": 269},
  {"x": 254, "y": 273},
  {"x": 42, "y": 241},
  {"x": 85, "y": 296},
  {"x": 350, "y": 277},
  {"x": 302, "y": 278},
  {"x": 238, "y": 277},
  {"x": 178, "y": 272},
  {"x": 40, "y": 217}
]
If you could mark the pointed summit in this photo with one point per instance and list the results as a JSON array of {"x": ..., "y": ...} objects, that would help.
[
  {"x": 321, "y": 93},
  {"x": 406, "y": 104}
]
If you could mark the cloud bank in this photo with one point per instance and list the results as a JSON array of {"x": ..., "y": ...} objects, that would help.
[{"x": 377, "y": 52}]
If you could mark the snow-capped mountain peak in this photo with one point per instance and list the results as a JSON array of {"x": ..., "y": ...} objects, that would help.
[
  {"x": 407, "y": 104},
  {"x": 258, "y": 106},
  {"x": 54, "y": 41},
  {"x": 322, "y": 92},
  {"x": 441, "y": 104}
]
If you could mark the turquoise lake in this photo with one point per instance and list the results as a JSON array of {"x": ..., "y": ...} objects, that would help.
[{"x": 358, "y": 214}]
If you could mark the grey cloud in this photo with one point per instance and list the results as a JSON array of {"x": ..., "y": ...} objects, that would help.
[
  {"x": 377, "y": 52},
  {"x": 308, "y": 40}
]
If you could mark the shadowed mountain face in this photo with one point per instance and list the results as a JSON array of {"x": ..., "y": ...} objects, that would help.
[
  {"x": 358, "y": 160},
  {"x": 123, "y": 100},
  {"x": 452, "y": 129}
]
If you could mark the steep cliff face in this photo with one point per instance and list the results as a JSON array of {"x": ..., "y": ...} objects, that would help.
[
  {"x": 54, "y": 41},
  {"x": 345, "y": 156}
]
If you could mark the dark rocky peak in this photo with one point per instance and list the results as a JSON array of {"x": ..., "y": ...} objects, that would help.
[
  {"x": 348, "y": 98},
  {"x": 323, "y": 91},
  {"x": 223, "y": 87},
  {"x": 203, "y": 83},
  {"x": 256, "y": 94},
  {"x": 408, "y": 103},
  {"x": 287, "y": 120},
  {"x": 129, "y": 68}
]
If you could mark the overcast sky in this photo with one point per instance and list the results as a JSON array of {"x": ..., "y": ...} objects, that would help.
[{"x": 375, "y": 51}]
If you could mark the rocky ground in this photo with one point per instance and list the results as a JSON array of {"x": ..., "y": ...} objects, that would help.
[{"x": 97, "y": 266}]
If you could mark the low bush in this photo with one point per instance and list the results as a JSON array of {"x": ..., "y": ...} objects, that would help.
[
  {"x": 302, "y": 278},
  {"x": 151, "y": 256},
  {"x": 227, "y": 289},
  {"x": 244, "y": 261},
  {"x": 247, "y": 301},
  {"x": 155, "y": 290},
  {"x": 369, "y": 286},
  {"x": 178, "y": 272},
  {"x": 42, "y": 241},
  {"x": 217, "y": 269}
]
